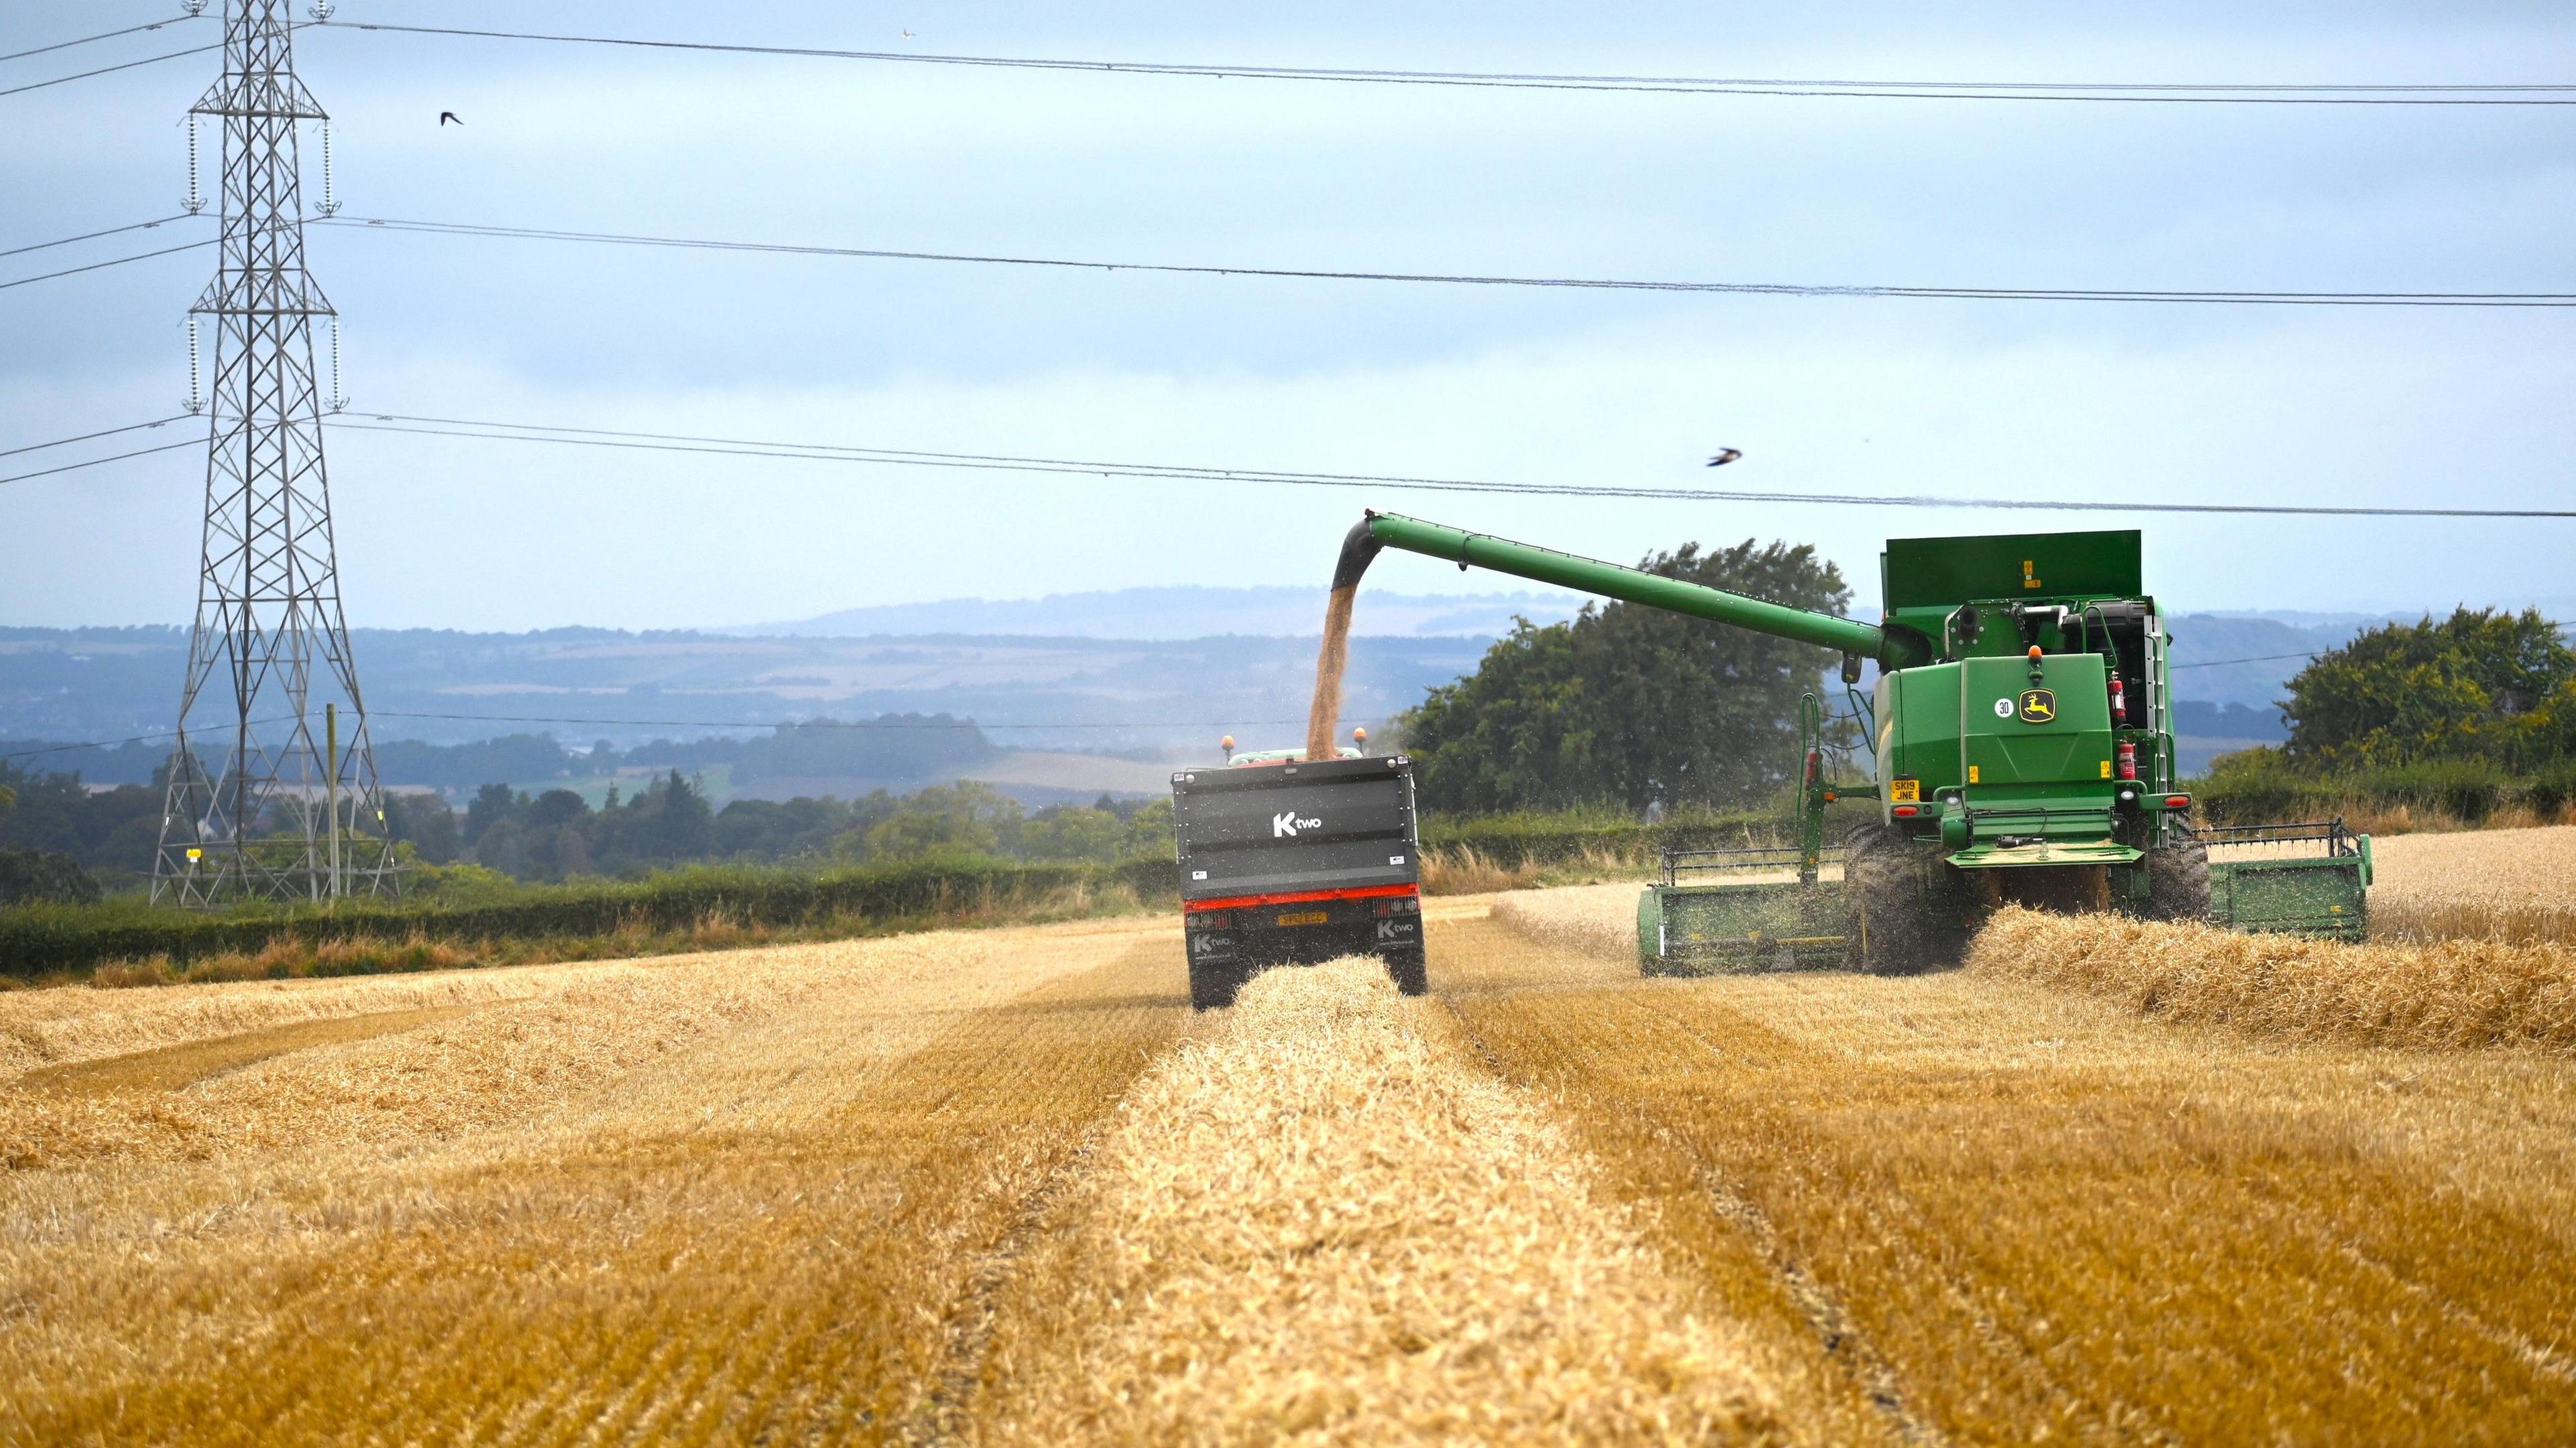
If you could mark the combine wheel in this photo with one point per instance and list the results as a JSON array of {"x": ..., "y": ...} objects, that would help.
[
  {"x": 2178, "y": 881},
  {"x": 1406, "y": 969},
  {"x": 1904, "y": 910}
]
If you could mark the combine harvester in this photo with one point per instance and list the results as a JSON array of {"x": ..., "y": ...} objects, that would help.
[{"x": 2023, "y": 736}]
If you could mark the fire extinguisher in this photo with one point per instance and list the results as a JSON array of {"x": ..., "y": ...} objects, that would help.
[
  {"x": 2128, "y": 759},
  {"x": 2119, "y": 701}
]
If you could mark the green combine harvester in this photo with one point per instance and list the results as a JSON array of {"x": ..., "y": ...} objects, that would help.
[{"x": 2023, "y": 737}]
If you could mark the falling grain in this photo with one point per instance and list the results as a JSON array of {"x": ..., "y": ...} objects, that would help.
[{"x": 1323, "y": 717}]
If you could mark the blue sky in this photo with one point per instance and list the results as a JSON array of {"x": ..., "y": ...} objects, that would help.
[{"x": 1986, "y": 399}]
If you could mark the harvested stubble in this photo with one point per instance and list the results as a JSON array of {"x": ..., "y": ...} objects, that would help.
[
  {"x": 2514, "y": 886},
  {"x": 739, "y": 1198},
  {"x": 2444, "y": 994},
  {"x": 1327, "y": 1224},
  {"x": 1588, "y": 919},
  {"x": 2015, "y": 1212}
]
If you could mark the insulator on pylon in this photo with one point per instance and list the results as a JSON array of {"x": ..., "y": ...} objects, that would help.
[
  {"x": 339, "y": 401},
  {"x": 330, "y": 198},
  {"x": 196, "y": 396},
  {"x": 195, "y": 201}
]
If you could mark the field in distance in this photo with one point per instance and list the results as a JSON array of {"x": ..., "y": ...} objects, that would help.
[{"x": 1001, "y": 1186}]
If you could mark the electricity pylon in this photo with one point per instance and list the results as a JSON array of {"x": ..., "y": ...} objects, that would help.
[{"x": 270, "y": 812}]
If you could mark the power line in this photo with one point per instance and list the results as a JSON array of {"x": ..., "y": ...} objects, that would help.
[
  {"x": 1790, "y": 289},
  {"x": 87, "y": 39},
  {"x": 106, "y": 743},
  {"x": 717, "y": 446},
  {"x": 113, "y": 458},
  {"x": 94, "y": 235},
  {"x": 87, "y": 436},
  {"x": 110, "y": 69},
  {"x": 115, "y": 261},
  {"x": 2150, "y": 93},
  {"x": 833, "y": 452}
]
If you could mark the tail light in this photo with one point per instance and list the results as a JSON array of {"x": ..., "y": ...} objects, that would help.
[
  {"x": 2177, "y": 801},
  {"x": 1905, "y": 811},
  {"x": 1399, "y": 905},
  {"x": 1211, "y": 919}
]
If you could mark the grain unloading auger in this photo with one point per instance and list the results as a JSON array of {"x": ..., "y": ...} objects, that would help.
[{"x": 2023, "y": 742}]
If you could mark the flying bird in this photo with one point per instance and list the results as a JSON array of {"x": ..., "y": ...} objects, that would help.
[
  {"x": 907, "y": 35},
  {"x": 1724, "y": 456},
  {"x": 445, "y": 116}
]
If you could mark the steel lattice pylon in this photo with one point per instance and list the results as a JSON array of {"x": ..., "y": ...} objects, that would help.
[{"x": 258, "y": 821}]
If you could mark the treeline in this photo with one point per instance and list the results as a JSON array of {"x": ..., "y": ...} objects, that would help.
[
  {"x": 556, "y": 835},
  {"x": 891, "y": 748},
  {"x": 2464, "y": 716}
]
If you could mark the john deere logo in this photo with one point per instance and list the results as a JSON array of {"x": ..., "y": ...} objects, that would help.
[{"x": 2038, "y": 706}]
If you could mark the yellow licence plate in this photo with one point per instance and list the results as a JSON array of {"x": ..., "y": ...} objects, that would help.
[
  {"x": 1905, "y": 791},
  {"x": 1306, "y": 917}
]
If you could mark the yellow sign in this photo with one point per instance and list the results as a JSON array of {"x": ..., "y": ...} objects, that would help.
[
  {"x": 195, "y": 854},
  {"x": 1972, "y": 774},
  {"x": 1905, "y": 791},
  {"x": 2038, "y": 706},
  {"x": 2106, "y": 769},
  {"x": 2027, "y": 580},
  {"x": 1305, "y": 917}
]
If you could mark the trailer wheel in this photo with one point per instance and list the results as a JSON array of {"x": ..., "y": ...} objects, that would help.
[
  {"x": 1406, "y": 969},
  {"x": 1904, "y": 912},
  {"x": 1213, "y": 984},
  {"x": 2178, "y": 881}
]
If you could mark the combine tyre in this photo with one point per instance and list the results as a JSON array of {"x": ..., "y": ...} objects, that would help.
[{"x": 2178, "y": 880}]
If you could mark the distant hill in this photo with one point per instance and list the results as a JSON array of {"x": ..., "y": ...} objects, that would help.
[{"x": 1183, "y": 613}]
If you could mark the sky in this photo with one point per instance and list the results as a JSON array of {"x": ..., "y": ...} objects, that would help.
[{"x": 2086, "y": 402}]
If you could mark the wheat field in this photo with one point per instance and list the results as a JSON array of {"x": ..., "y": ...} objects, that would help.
[{"x": 1002, "y": 1187}]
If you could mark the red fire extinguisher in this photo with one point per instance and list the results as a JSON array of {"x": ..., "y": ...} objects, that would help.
[
  {"x": 2128, "y": 759},
  {"x": 2119, "y": 701}
]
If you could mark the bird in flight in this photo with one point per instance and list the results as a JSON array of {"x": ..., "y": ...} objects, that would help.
[
  {"x": 907, "y": 35},
  {"x": 446, "y": 116},
  {"x": 1724, "y": 456}
]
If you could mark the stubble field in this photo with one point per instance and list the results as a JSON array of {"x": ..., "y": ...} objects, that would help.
[{"x": 2104, "y": 1185}]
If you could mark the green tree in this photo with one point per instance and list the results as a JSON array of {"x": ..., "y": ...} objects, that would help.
[
  {"x": 1628, "y": 705},
  {"x": 965, "y": 818},
  {"x": 2479, "y": 684},
  {"x": 1070, "y": 834}
]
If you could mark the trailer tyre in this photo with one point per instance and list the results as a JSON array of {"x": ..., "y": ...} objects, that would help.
[
  {"x": 1213, "y": 984},
  {"x": 1904, "y": 910},
  {"x": 2178, "y": 881},
  {"x": 1407, "y": 969}
]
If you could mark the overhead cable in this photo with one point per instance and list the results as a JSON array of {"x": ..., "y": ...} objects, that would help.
[
  {"x": 114, "y": 261},
  {"x": 2547, "y": 94},
  {"x": 105, "y": 35},
  {"x": 87, "y": 436},
  {"x": 1175, "y": 472},
  {"x": 111, "y": 69},
  {"x": 95, "y": 235},
  {"x": 1793, "y": 289},
  {"x": 197, "y": 442}
]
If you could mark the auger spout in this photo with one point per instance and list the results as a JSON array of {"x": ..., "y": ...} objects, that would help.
[{"x": 1892, "y": 648}]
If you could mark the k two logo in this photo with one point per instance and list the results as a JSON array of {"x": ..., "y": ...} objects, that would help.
[{"x": 1285, "y": 825}]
